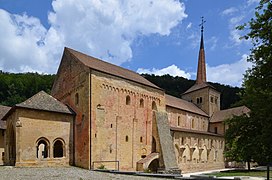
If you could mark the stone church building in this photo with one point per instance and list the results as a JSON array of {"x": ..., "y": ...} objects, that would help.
[{"x": 102, "y": 114}]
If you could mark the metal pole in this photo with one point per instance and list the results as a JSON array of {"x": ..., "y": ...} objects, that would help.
[{"x": 267, "y": 171}]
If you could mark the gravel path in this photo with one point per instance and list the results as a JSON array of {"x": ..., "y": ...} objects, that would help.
[{"x": 61, "y": 173}]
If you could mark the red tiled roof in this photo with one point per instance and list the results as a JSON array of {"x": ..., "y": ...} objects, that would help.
[
  {"x": 183, "y": 104},
  {"x": 108, "y": 68},
  {"x": 198, "y": 86},
  {"x": 222, "y": 115}
]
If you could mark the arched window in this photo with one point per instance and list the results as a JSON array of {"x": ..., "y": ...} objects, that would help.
[
  {"x": 154, "y": 106},
  {"x": 76, "y": 99},
  {"x": 215, "y": 130},
  {"x": 200, "y": 100},
  {"x": 42, "y": 148},
  {"x": 128, "y": 100},
  {"x": 141, "y": 103},
  {"x": 178, "y": 120},
  {"x": 58, "y": 149},
  {"x": 193, "y": 123},
  {"x": 126, "y": 138},
  {"x": 182, "y": 141},
  {"x": 141, "y": 139}
]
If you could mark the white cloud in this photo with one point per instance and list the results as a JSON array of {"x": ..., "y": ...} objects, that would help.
[
  {"x": 172, "y": 70},
  {"x": 105, "y": 29},
  {"x": 189, "y": 25},
  {"x": 250, "y": 2},
  {"x": 229, "y": 11},
  {"x": 231, "y": 74},
  {"x": 21, "y": 43},
  {"x": 212, "y": 42}
]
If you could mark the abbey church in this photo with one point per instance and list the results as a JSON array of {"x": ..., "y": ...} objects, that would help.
[{"x": 102, "y": 115}]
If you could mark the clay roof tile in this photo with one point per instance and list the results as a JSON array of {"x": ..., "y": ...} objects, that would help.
[
  {"x": 3, "y": 112},
  {"x": 43, "y": 101},
  {"x": 111, "y": 69},
  {"x": 222, "y": 115},
  {"x": 183, "y": 104}
]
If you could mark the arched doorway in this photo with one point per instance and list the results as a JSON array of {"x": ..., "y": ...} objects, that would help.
[
  {"x": 154, "y": 165},
  {"x": 154, "y": 145}
]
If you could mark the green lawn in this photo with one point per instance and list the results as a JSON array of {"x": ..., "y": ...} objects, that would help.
[{"x": 252, "y": 173}]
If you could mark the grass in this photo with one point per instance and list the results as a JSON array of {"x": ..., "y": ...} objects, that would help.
[{"x": 252, "y": 173}]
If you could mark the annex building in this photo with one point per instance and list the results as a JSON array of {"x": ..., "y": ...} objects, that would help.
[{"x": 102, "y": 114}]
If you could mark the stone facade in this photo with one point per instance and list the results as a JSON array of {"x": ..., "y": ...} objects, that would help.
[
  {"x": 121, "y": 113},
  {"x": 115, "y": 117},
  {"x": 39, "y": 138},
  {"x": 2, "y": 146},
  {"x": 196, "y": 149},
  {"x": 119, "y": 120}
]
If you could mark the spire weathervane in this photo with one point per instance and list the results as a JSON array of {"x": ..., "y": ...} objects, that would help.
[
  {"x": 201, "y": 69},
  {"x": 202, "y": 28},
  {"x": 202, "y": 23}
]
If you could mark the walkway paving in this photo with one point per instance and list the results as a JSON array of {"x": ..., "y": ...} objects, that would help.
[{"x": 227, "y": 177}]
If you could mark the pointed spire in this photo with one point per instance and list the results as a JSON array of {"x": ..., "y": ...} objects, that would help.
[{"x": 201, "y": 69}]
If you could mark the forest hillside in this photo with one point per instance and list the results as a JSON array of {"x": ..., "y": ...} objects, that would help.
[{"x": 17, "y": 87}]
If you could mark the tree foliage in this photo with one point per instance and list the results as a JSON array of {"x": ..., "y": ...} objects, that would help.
[
  {"x": 256, "y": 129},
  {"x": 15, "y": 88}
]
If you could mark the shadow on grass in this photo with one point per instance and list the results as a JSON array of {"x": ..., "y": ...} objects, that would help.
[{"x": 241, "y": 172}]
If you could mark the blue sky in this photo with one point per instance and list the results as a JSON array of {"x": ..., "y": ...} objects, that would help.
[{"x": 160, "y": 37}]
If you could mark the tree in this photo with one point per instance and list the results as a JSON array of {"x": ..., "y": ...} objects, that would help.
[
  {"x": 257, "y": 93},
  {"x": 239, "y": 143}
]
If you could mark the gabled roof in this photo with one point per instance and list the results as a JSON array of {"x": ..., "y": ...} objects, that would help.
[
  {"x": 222, "y": 115},
  {"x": 198, "y": 86},
  {"x": 108, "y": 68},
  {"x": 43, "y": 101},
  {"x": 183, "y": 105},
  {"x": 3, "y": 111}
]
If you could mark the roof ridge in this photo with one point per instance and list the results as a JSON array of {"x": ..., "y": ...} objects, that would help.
[
  {"x": 44, "y": 101},
  {"x": 102, "y": 61},
  {"x": 184, "y": 108},
  {"x": 109, "y": 68}
]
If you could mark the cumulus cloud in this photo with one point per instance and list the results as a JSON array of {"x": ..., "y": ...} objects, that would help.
[
  {"x": 231, "y": 74},
  {"x": 172, "y": 70},
  {"x": 21, "y": 46},
  {"x": 105, "y": 29}
]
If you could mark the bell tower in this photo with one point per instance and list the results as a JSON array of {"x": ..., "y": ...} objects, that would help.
[{"x": 202, "y": 94}]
